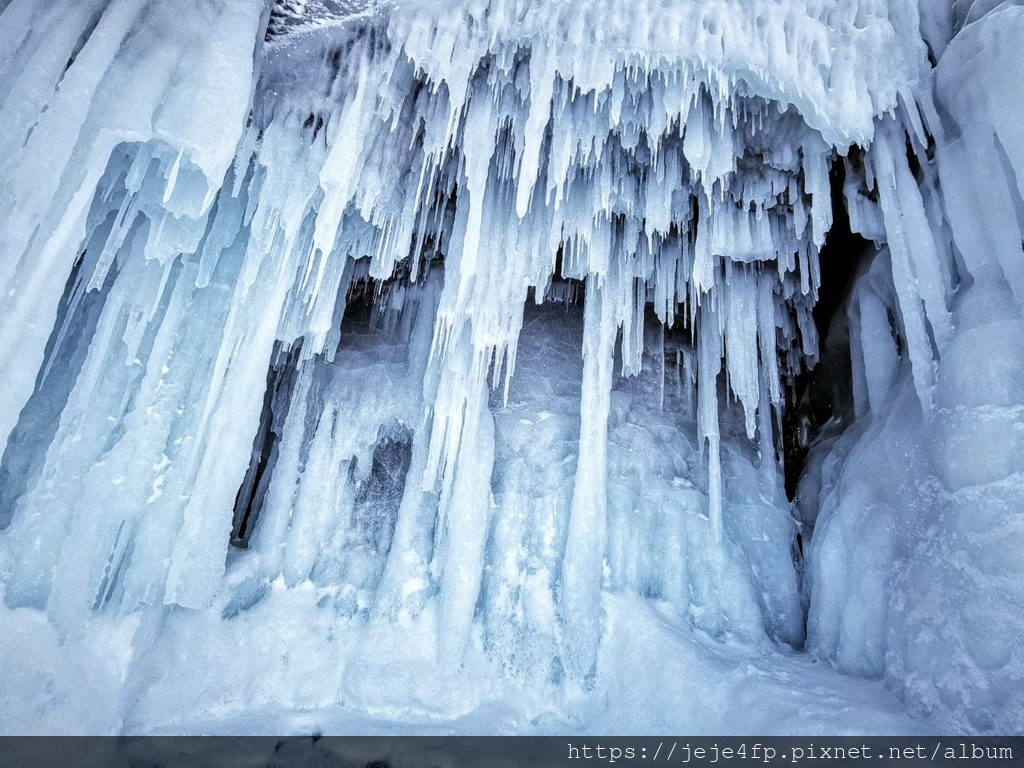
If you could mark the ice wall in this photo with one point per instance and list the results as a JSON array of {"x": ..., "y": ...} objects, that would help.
[
  {"x": 916, "y": 557},
  {"x": 191, "y": 219}
]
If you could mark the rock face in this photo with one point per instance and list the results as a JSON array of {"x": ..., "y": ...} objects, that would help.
[{"x": 291, "y": 18}]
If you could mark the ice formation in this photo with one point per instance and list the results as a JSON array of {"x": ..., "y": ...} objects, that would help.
[
  {"x": 915, "y": 564},
  {"x": 460, "y": 318}
]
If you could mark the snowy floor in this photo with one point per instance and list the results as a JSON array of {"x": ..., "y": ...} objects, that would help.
[{"x": 656, "y": 675}]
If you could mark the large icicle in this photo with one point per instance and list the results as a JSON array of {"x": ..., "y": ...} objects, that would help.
[
  {"x": 583, "y": 564},
  {"x": 131, "y": 81}
]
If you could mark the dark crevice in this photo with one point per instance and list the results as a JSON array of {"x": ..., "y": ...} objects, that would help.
[
  {"x": 561, "y": 290},
  {"x": 380, "y": 495},
  {"x": 821, "y": 394},
  {"x": 276, "y": 401},
  {"x": 840, "y": 257},
  {"x": 66, "y": 350},
  {"x": 82, "y": 40}
]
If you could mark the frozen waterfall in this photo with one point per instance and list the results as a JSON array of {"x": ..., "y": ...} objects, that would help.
[{"x": 435, "y": 360}]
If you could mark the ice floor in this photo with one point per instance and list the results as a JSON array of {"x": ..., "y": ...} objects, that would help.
[{"x": 206, "y": 676}]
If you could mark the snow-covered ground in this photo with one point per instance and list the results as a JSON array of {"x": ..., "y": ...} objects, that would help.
[{"x": 281, "y": 669}]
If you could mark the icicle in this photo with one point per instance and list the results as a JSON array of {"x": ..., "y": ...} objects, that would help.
[
  {"x": 464, "y": 515},
  {"x": 542, "y": 82},
  {"x": 709, "y": 352},
  {"x": 914, "y": 261},
  {"x": 741, "y": 347},
  {"x": 582, "y": 564}
]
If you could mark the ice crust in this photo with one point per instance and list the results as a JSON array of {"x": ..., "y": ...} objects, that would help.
[{"x": 531, "y": 281}]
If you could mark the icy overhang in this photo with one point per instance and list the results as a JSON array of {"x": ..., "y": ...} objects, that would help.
[
  {"x": 840, "y": 64},
  {"x": 673, "y": 156}
]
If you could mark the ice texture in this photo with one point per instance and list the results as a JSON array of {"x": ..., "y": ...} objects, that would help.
[
  {"x": 916, "y": 558},
  {"x": 457, "y": 327}
]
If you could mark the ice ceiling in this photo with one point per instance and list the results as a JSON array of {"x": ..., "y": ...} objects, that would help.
[{"x": 465, "y": 315}]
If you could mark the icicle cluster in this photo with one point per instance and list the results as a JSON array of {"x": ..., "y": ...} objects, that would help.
[{"x": 466, "y": 156}]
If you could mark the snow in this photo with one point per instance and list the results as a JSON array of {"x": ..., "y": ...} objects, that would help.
[
  {"x": 264, "y": 672},
  {"x": 297, "y": 388}
]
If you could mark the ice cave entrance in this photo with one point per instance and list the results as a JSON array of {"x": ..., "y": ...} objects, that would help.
[{"x": 502, "y": 365}]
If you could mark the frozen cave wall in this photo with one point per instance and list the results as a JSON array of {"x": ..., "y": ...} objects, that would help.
[
  {"x": 463, "y": 315},
  {"x": 915, "y": 563}
]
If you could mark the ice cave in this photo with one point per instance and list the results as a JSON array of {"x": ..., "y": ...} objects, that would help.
[{"x": 512, "y": 366}]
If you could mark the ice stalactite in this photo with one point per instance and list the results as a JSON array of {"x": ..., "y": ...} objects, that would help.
[{"x": 582, "y": 566}]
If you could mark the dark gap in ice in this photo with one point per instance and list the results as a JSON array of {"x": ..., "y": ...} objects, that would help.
[
  {"x": 276, "y": 400},
  {"x": 913, "y": 161},
  {"x": 840, "y": 257},
  {"x": 562, "y": 290},
  {"x": 894, "y": 329},
  {"x": 82, "y": 40},
  {"x": 819, "y": 394},
  {"x": 66, "y": 350},
  {"x": 361, "y": 303},
  {"x": 117, "y": 562}
]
